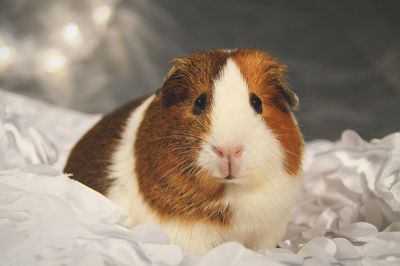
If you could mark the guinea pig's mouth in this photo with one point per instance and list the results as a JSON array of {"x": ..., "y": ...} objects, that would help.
[{"x": 229, "y": 177}]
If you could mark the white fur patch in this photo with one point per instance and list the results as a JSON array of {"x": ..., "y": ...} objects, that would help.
[
  {"x": 263, "y": 193},
  {"x": 124, "y": 190},
  {"x": 233, "y": 121}
]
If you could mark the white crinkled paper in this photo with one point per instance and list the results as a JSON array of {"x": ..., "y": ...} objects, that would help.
[
  {"x": 348, "y": 211},
  {"x": 35, "y": 132}
]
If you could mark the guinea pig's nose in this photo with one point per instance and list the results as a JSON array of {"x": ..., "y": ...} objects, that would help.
[{"x": 229, "y": 151}]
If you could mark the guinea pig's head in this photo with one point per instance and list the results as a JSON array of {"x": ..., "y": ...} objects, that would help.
[{"x": 221, "y": 118}]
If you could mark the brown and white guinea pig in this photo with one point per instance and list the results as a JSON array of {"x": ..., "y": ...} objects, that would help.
[{"x": 214, "y": 155}]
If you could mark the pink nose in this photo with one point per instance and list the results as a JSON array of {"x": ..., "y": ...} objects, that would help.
[{"x": 229, "y": 151}]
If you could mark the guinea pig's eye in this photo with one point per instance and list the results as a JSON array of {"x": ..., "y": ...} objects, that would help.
[
  {"x": 200, "y": 104},
  {"x": 256, "y": 103}
]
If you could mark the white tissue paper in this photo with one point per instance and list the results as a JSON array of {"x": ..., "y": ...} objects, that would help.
[{"x": 348, "y": 212}]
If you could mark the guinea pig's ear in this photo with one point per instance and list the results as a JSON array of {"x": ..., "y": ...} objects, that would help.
[
  {"x": 289, "y": 96},
  {"x": 277, "y": 78},
  {"x": 175, "y": 88}
]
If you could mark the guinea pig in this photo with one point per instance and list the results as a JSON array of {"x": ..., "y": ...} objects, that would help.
[{"x": 214, "y": 155}]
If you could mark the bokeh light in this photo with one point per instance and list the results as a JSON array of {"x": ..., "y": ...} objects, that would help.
[
  {"x": 54, "y": 61},
  {"x": 101, "y": 16},
  {"x": 72, "y": 33}
]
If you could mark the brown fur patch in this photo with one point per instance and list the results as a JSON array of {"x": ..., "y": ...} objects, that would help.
[
  {"x": 169, "y": 140},
  {"x": 90, "y": 158},
  {"x": 265, "y": 77}
]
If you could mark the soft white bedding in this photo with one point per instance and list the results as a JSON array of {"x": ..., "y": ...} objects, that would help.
[{"x": 348, "y": 211}]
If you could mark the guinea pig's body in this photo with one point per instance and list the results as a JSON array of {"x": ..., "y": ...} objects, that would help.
[{"x": 212, "y": 156}]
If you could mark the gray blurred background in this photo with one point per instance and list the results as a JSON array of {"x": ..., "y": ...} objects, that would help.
[{"x": 93, "y": 55}]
